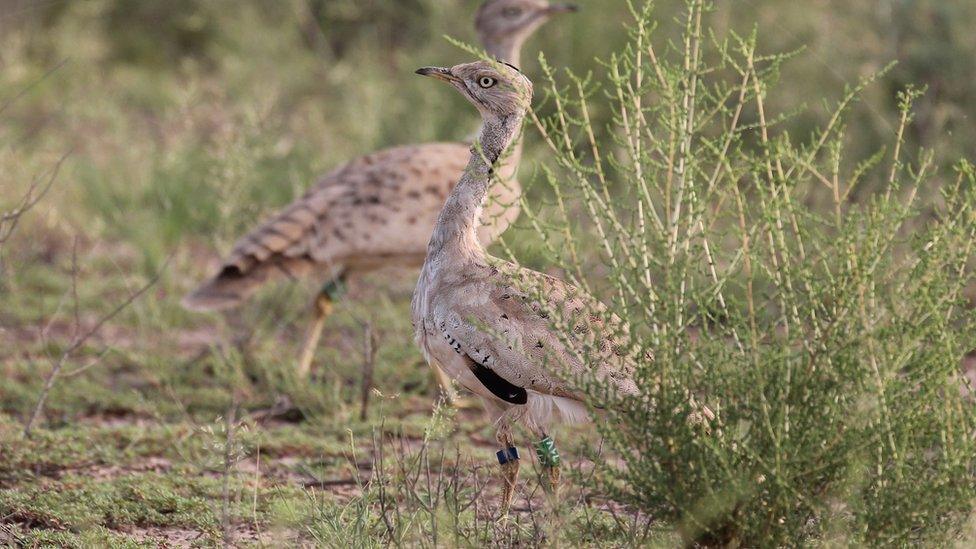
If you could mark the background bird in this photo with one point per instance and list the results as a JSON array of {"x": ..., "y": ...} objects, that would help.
[
  {"x": 377, "y": 210},
  {"x": 510, "y": 335}
]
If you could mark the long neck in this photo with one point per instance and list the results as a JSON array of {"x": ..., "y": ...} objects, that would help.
[
  {"x": 455, "y": 234},
  {"x": 507, "y": 166},
  {"x": 508, "y": 50}
]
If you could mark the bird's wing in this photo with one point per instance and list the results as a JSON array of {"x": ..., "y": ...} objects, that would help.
[
  {"x": 374, "y": 208},
  {"x": 535, "y": 332},
  {"x": 347, "y": 207}
]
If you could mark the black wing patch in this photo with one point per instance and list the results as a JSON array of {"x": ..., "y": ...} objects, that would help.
[{"x": 512, "y": 394}]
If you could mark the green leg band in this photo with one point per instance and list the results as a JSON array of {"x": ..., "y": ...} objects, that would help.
[
  {"x": 335, "y": 287},
  {"x": 546, "y": 450}
]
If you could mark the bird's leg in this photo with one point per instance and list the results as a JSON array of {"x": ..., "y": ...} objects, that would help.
[
  {"x": 242, "y": 334},
  {"x": 549, "y": 460},
  {"x": 321, "y": 308},
  {"x": 510, "y": 471},
  {"x": 508, "y": 459}
]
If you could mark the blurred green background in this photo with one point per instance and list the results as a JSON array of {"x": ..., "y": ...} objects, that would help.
[{"x": 173, "y": 107}]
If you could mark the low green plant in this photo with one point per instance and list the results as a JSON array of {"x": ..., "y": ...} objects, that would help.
[{"x": 827, "y": 341}]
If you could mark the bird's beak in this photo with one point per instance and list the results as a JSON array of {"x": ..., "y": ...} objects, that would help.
[
  {"x": 439, "y": 73},
  {"x": 561, "y": 7}
]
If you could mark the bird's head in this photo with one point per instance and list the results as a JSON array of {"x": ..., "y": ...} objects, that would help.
[
  {"x": 513, "y": 21},
  {"x": 498, "y": 90}
]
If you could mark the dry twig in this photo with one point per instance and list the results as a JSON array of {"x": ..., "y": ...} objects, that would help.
[
  {"x": 81, "y": 337},
  {"x": 369, "y": 359}
]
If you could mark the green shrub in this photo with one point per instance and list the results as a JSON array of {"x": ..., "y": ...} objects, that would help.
[{"x": 827, "y": 339}]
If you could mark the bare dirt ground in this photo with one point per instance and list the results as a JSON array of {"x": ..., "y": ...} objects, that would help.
[{"x": 154, "y": 464}]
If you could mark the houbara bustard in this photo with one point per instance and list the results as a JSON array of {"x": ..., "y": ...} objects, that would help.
[
  {"x": 377, "y": 210},
  {"x": 492, "y": 325}
]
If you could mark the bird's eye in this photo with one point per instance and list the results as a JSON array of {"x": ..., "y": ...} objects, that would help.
[
  {"x": 512, "y": 13},
  {"x": 486, "y": 82}
]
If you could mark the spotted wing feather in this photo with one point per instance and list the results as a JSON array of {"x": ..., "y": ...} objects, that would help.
[
  {"x": 377, "y": 209},
  {"x": 536, "y": 332}
]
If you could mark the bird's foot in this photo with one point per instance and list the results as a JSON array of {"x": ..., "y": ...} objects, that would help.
[
  {"x": 549, "y": 459},
  {"x": 550, "y": 477},
  {"x": 509, "y": 461}
]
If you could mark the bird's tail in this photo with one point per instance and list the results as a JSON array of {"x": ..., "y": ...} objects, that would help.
[
  {"x": 544, "y": 410},
  {"x": 232, "y": 286}
]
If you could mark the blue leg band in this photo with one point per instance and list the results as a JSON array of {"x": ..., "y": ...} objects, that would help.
[{"x": 504, "y": 456}]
